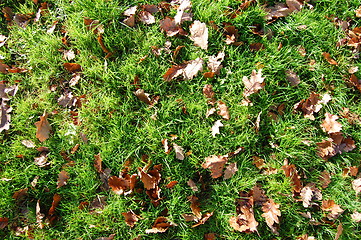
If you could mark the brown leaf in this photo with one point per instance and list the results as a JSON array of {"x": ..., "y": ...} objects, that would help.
[
  {"x": 210, "y": 236},
  {"x": 146, "y": 17},
  {"x": 291, "y": 172},
  {"x": 245, "y": 221},
  {"x": 331, "y": 207},
  {"x": 43, "y": 128},
  {"x": 72, "y": 67},
  {"x": 292, "y": 77},
  {"x": 94, "y": 25},
  {"x": 356, "y": 185},
  {"x": 223, "y": 110},
  {"x": 150, "y": 179},
  {"x": 68, "y": 55},
  {"x": 144, "y": 97},
  {"x": 98, "y": 163},
  {"x": 271, "y": 213},
  {"x": 52, "y": 217},
  {"x": 170, "y": 27},
  {"x": 62, "y": 179},
  {"x": 230, "y": 170},
  {"x": 325, "y": 179},
  {"x": 209, "y": 94},
  {"x": 258, "y": 162},
  {"x": 199, "y": 34},
  {"x": 171, "y": 184},
  {"x": 215, "y": 63},
  {"x": 42, "y": 160},
  {"x": 254, "y": 47},
  {"x": 253, "y": 84},
  {"x": 68, "y": 100},
  {"x": 4, "y": 116},
  {"x": 329, "y": 125},
  {"x": 98, "y": 203},
  {"x": 118, "y": 185},
  {"x": 183, "y": 12},
  {"x": 279, "y": 10},
  {"x": 111, "y": 237},
  {"x": 328, "y": 58},
  {"x": 130, "y": 218},
  {"x": 192, "y": 185},
  {"x": 339, "y": 231},
  {"x": 179, "y": 154},
  {"x": 310, "y": 105},
  {"x": 203, "y": 219},
  {"x": 325, "y": 149},
  {"x": 188, "y": 70},
  {"x": 20, "y": 194},
  {"x": 215, "y": 128},
  {"x": 39, "y": 215},
  {"x": 215, "y": 164},
  {"x": 195, "y": 207},
  {"x": 4, "y": 221},
  {"x": 130, "y": 21},
  {"x": 130, "y": 11},
  {"x": 160, "y": 225},
  {"x": 309, "y": 193},
  {"x": 28, "y": 143}
]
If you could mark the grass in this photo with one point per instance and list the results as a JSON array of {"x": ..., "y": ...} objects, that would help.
[{"x": 120, "y": 127}]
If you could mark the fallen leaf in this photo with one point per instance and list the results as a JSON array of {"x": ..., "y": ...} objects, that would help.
[
  {"x": 98, "y": 163},
  {"x": 203, "y": 219},
  {"x": 169, "y": 26},
  {"x": 20, "y": 194},
  {"x": 118, "y": 184},
  {"x": 35, "y": 181},
  {"x": 183, "y": 12},
  {"x": 130, "y": 21},
  {"x": 68, "y": 100},
  {"x": 253, "y": 84},
  {"x": 28, "y": 143},
  {"x": 356, "y": 216},
  {"x": 62, "y": 179},
  {"x": 72, "y": 67},
  {"x": 110, "y": 237},
  {"x": 130, "y": 218},
  {"x": 215, "y": 64},
  {"x": 130, "y": 11},
  {"x": 150, "y": 179},
  {"x": 146, "y": 17},
  {"x": 179, "y": 154},
  {"x": 52, "y": 216},
  {"x": 254, "y": 47},
  {"x": 43, "y": 128},
  {"x": 42, "y": 160},
  {"x": 231, "y": 169},
  {"x": 192, "y": 185},
  {"x": 39, "y": 215},
  {"x": 195, "y": 207},
  {"x": 4, "y": 116},
  {"x": 160, "y": 225},
  {"x": 199, "y": 34},
  {"x": 209, "y": 94},
  {"x": 271, "y": 213},
  {"x": 292, "y": 77},
  {"x": 210, "y": 236},
  {"x": 309, "y": 193},
  {"x": 94, "y": 25},
  {"x": 277, "y": 11},
  {"x": 330, "y": 125},
  {"x": 223, "y": 110},
  {"x": 144, "y": 97},
  {"x": 339, "y": 231},
  {"x": 68, "y": 55},
  {"x": 188, "y": 70},
  {"x": 171, "y": 184},
  {"x": 98, "y": 203},
  {"x": 325, "y": 179},
  {"x": 4, "y": 221},
  {"x": 244, "y": 221},
  {"x": 291, "y": 172},
  {"x": 215, "y": 164},
  {"x": 356, "y": 185},
  {"x": 331, "y": 207},
  {"x": 311, "y": 105},
  {"x": 329, "y": 59},
  {"x": 215, "y": 128}
]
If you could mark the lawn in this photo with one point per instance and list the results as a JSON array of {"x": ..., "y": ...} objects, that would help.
[{"x": 228, "y": 119}]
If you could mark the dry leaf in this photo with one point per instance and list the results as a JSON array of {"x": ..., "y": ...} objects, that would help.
[
  {"x": 110, "y": 237},
  {"x": 72, "y": 67},
  {"x": 244, "y": 221},
  {"x": 28, "y": 143},
  {"x": 356, "y": 185},
  {"x": 118, "y": 185},
  {"x": 210, "y": 112},
  {"x": 62, "y": 179},
  {"x": 52, "y": 217},
  {"x": 182, "y": 14},
  {"x": 42, "y": 160},
  {"x": 130, "y": 11},
  {"x": 43, "y": 128},
  {"x": 215, "y": 164},
  {"x": 68, "y": 100},
  {"x": 325, "y": 179},
  {"x": 39, "y": 215},
  {"x": 146, "y": 17},
  {"x": 291, "y": 172},
  {"x": 179, "y": 154},
  {"x": 188, "y": 70},
  {"x": 209, "y": 94},
  {"x": 98, "y": 163},
  {"x": 151, "y": 180},
  {"x": 170, "y": 27},
  {"x": 230, "y": 170},
  {"x": 210, "y": 236},
  {"x": 356, "y": 216},
  {"x": 192, "y": 185},
  {"x": 130, "y": 218},
  {"x": 199, "y": 34},
  {"x": 329, "y": 125},
  {"x": 309, "y": 193},
  {"x": 331, "y": 207},
  {"x": 203, "y": 219},
  {"x": 215, "y": 64},
  {"x": 68, "y": 55},
  {"x": 328, "y": 58},
  {"x": 4, "y": 116},
  {"x": 144, "y": 97},
  {"x": 20, "y": 194},
  {"x": 253, "y": 84},
  {"x": 4, "y": 221},
  {"x": 292, "y": 77},
  {"x": 223, "y": 110},
  {"x": 215, "y": 128},
  {"x": 171, "y": 184},
  {"x": 339, "y": 231},
  {"x": 312, "y": 105},
  {"x": 160, "y": 225},
  {"x": 271, "y": 213},
  {"x": 195, "y": 207}
]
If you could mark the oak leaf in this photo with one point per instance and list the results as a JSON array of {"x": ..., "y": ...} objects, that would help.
[
  {"x": 231, "y": 169},
  {"x": 183, "y": 12},
  {"x": 130, "y": 218},
  {"x": 330, "y": 125},
  {"x": 309, "y": 193},
  {"x": 179, "y": 152},
  {"x": 209, "y": 94},
  {"x": 43, "y": 128},
  {"x": 223, "y": 110},
  {"x": 325, "y": 179},
  {"x": 188, "y": 70},
  {"x": 62, "y": 179},
  {"x": 169, "y": 26},
  {"x": 118, "y": 185},
  {"x": 253, "y": 84},
  {"x": 244, "y": 221},
  {"x": 292, "y": 77},
  {"x": 356, "y": 216},
  {"x": 215, "y": 164},
  {"x": 215, "y": 64},
  {"x": 5, "y": 116},
  {"x": 199, "y": 34},
  {"x": 331, "y": 207},
  {"x": 271, "y": 213},
  {"x": 356, "y": 185},
  {"x": 160, "y": 225},
  {"x": 329, "y": 59},
  {"x": 146, "y": 17}
]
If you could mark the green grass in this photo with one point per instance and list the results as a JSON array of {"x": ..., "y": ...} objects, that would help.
[{"x": 120, "y": 127}]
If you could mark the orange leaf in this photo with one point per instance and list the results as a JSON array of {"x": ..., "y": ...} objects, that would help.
[{"x": 43, "y": 128}]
